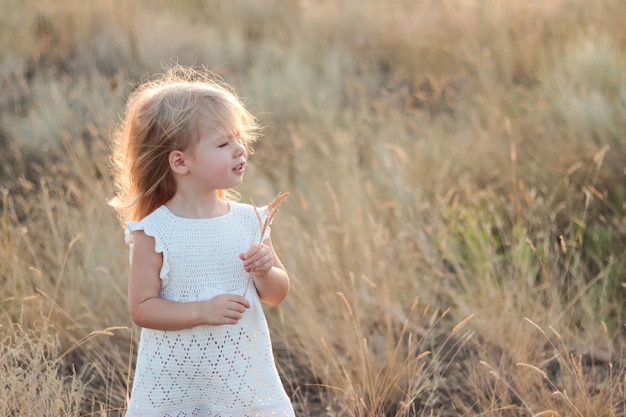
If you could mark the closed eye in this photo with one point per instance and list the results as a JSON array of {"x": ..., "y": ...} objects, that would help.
[{"x": 230, "y": 139}]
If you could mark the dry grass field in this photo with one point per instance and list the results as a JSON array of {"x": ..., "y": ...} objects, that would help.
[{"x": 455, "y": 230}]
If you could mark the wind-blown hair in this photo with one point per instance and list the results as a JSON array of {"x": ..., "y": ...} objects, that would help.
[{"x": 161, "y": 116}]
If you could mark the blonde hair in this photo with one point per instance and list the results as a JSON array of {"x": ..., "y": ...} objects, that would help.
[{"x": 162, "y": 115}]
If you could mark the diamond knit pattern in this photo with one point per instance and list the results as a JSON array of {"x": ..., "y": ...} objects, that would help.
[{"x": 216, "y": 371}]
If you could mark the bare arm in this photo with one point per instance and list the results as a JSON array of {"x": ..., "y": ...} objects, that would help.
[
  {"x": 149, "y": 310},
  {"x": 270, "y": 277}
]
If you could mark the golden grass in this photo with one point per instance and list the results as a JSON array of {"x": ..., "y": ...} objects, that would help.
[
  {"x": 455, "y": 233},
  {"x": 272, "y": 209}
]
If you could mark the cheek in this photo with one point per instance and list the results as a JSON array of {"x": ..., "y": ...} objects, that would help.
[{"x": 218, "y": 162}]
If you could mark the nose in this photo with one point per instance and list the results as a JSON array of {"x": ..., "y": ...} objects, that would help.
[{"x": 240, "y": 149}]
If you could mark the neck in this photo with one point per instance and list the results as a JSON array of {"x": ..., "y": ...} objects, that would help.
[{"x": 197, "y": 206}]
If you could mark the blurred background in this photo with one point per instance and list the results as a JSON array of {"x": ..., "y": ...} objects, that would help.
[{"x": 455, "y": 230}]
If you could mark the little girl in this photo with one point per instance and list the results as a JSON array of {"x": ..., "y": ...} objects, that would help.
[{"x": 205, "y": 348}]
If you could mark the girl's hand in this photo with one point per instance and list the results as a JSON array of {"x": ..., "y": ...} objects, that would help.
[
  {"x": 260, "y": 257},
  {"x": 223, "y": 309}
]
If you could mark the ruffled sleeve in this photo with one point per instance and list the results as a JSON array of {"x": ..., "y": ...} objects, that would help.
[{"x": 159, "y": 247}]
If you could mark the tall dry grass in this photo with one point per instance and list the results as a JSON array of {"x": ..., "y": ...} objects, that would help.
[{"x": 455, "y": 230}]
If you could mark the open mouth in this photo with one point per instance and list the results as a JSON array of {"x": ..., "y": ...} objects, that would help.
[{"x": 239, "y": 167}]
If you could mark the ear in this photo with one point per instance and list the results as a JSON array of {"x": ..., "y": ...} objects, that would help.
[{"x": 177, "y": 162}]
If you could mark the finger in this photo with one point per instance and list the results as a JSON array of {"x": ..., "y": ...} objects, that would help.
[
  {"x": 258, "y": 255},
  {"x": 237, "y": 308},
  {"x": 241, "y": 301},
  {"x": 234, "y": 316},
  {"x": 262, "y": 267},
  {"x": 228, "y": 320},
  {"x": 255, "y": 250},
  {"x": 259, "y": 258}
]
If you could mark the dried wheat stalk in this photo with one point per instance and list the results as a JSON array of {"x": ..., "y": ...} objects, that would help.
[{"x": 272, "y": 209}]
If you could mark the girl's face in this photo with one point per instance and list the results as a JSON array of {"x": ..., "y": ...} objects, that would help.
[{"x": 217, "y": 161}]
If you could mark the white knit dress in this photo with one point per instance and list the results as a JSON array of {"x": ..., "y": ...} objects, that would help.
[{"x": 216, "y": 371}]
